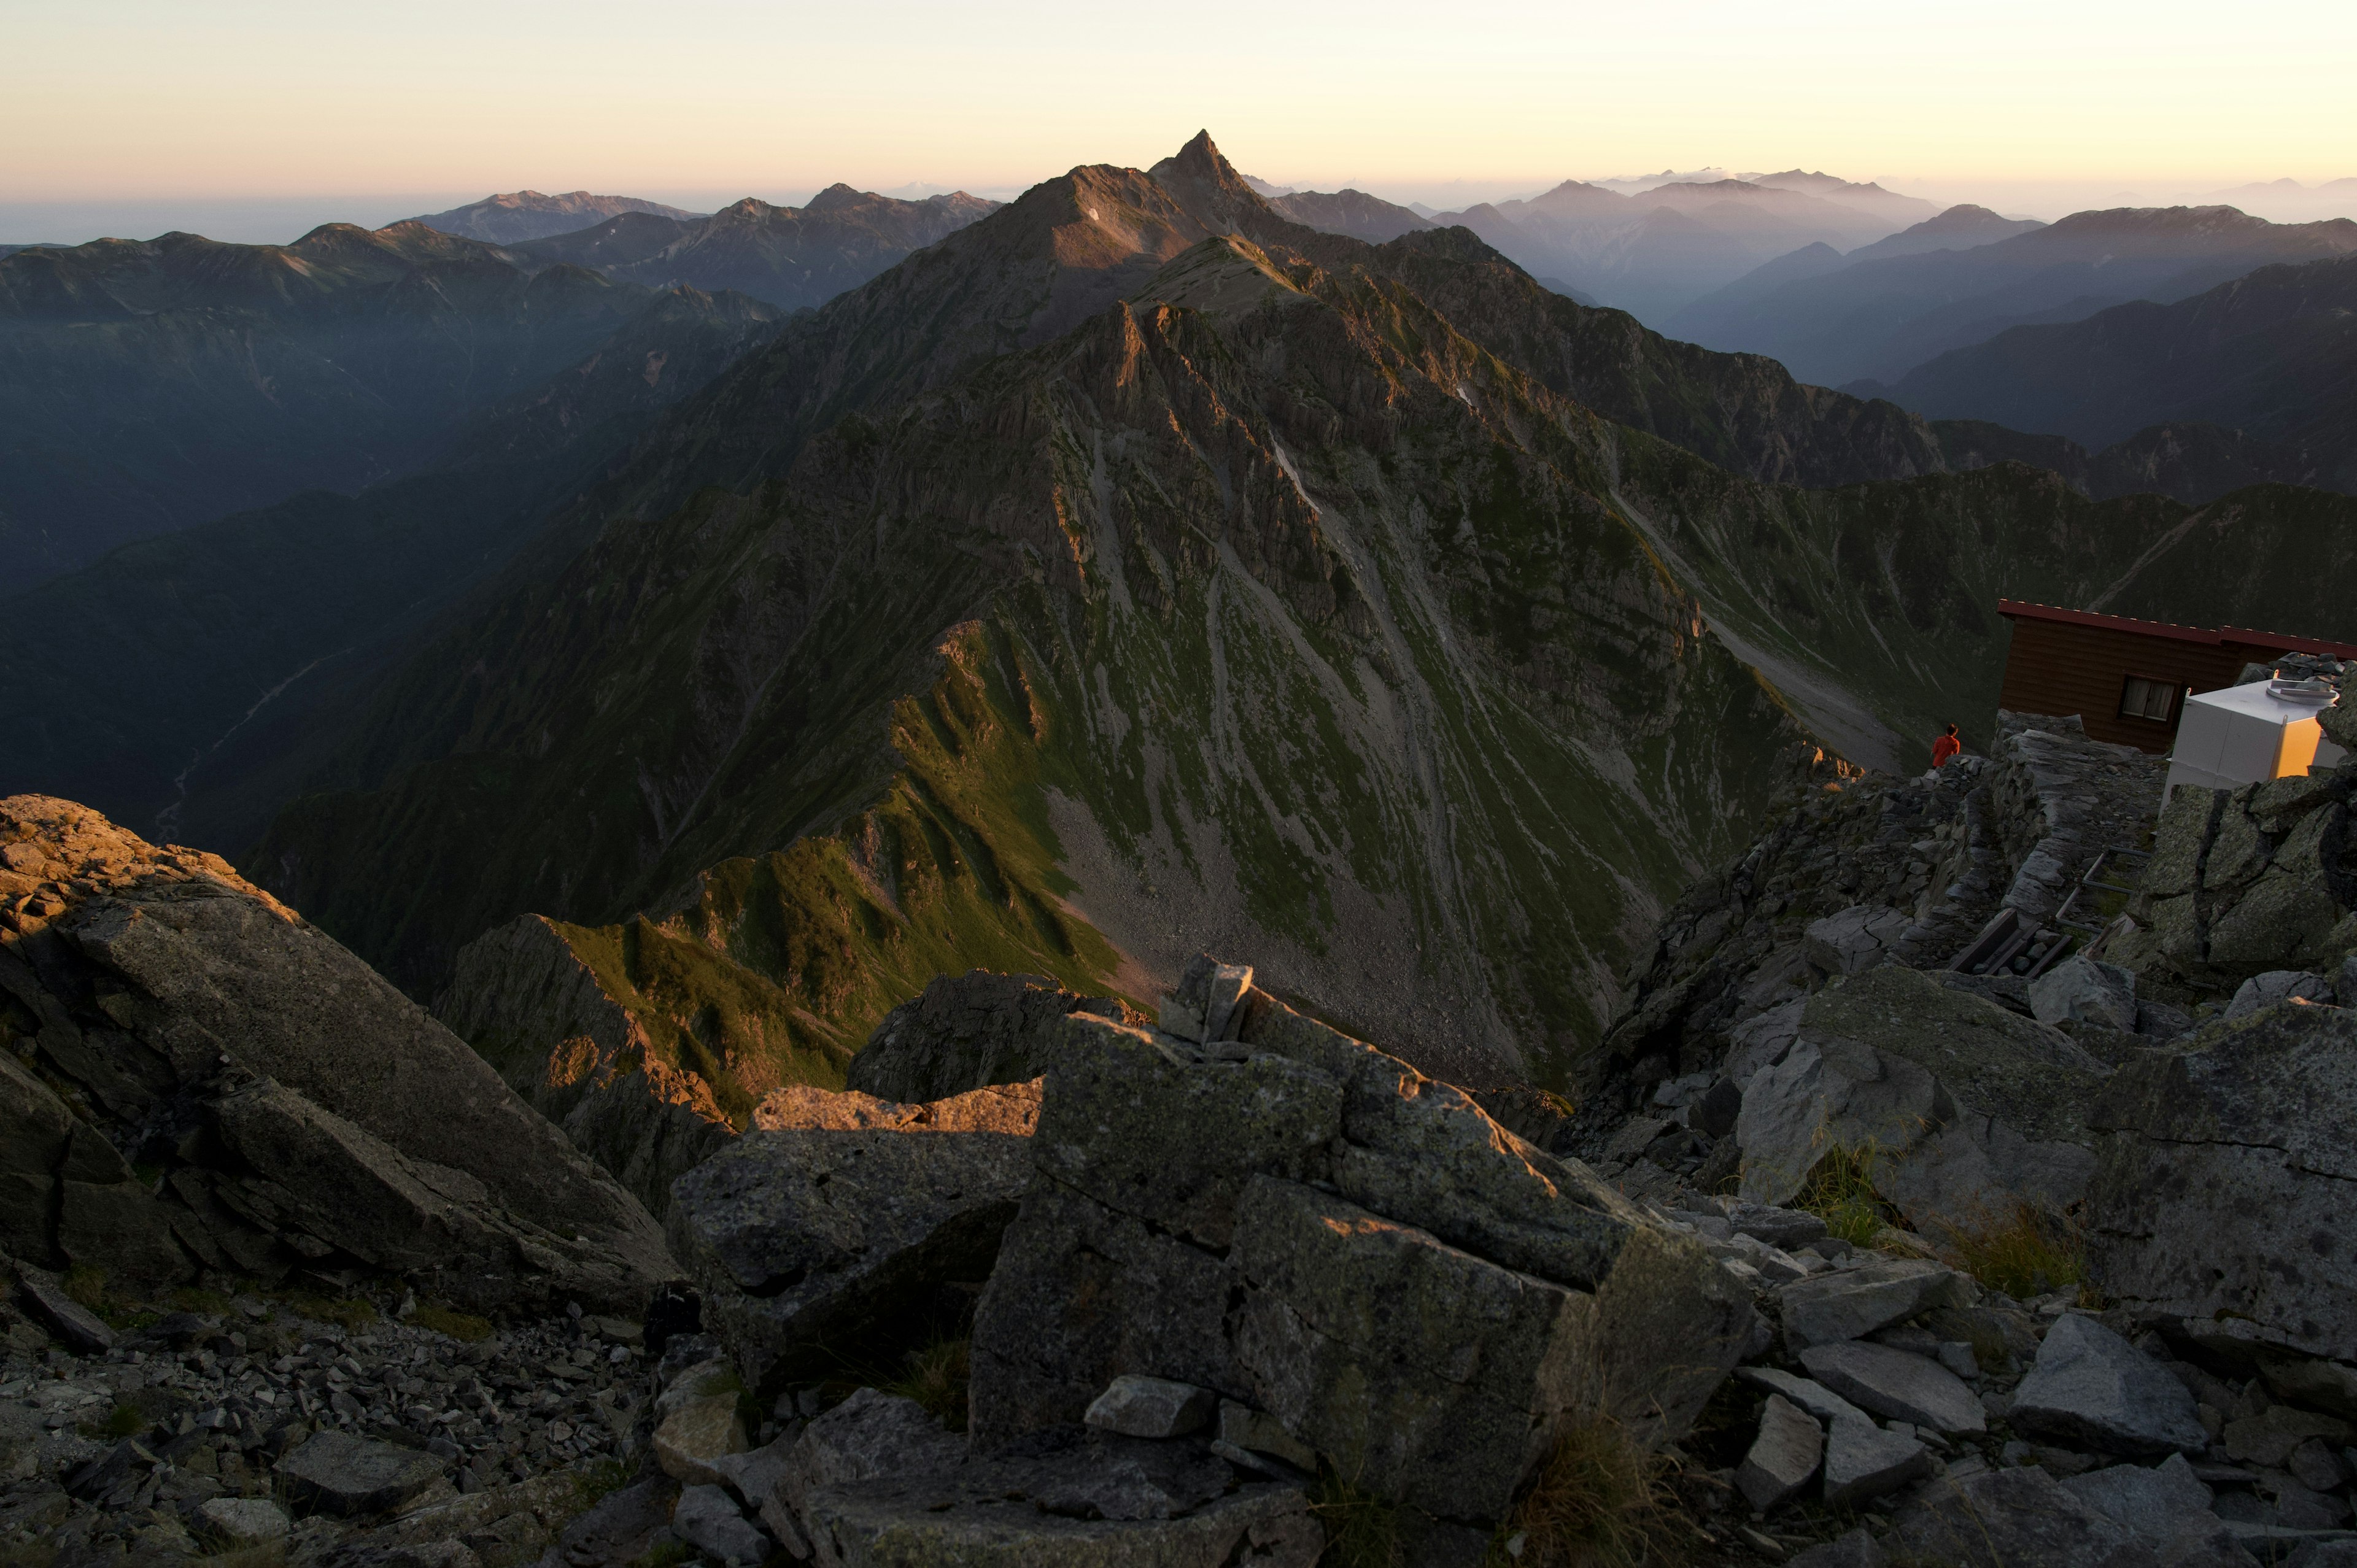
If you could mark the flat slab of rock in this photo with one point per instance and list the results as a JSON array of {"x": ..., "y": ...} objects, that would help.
[
  {"x": 333, "y": 1472},
  {"x": 805, "y": 1242},
  {"x": 1897, "y": 1385},
  {"x": 1783, "y": 1458},
  {"x": 245, "y": 1521},
  {"x": 884, "y": 1486},
  {"x": 968, "y": 1032},
  {"x": 1864, "y": 1462},
  {"x": 2158, "y": 1503},
  {"x": 695, "y": 1435},
  {"x": 74, "y": 1322},
  {"x": 2014, "y": 1518},
  {"x": 2092, "y": 1388},
  {"x": 1850, "y": 1304},
  {"x": 1809, "y": 1394},
  {"x": 998, "y": 1108}
]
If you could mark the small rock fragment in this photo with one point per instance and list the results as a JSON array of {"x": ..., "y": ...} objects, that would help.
[
  {"x": 1783, "y": 1457},
  {"x": 1863, "y": 1462},
  {"x": 1138, "y": 1406},
  {"x": 1897, "y": 1385},
  {"x": 245, "y": 1521}
]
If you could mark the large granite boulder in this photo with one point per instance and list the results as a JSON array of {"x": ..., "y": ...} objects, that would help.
[
  {"x": 2222, "y": 1194},
  {"x": 817, "y": 1242},
  {"x": 1968, "y": 1108},
  {"x": 967, "y": 1031},
  {"x": 1313, "y": 1231},
  {"x": 288, "y": 1105}
]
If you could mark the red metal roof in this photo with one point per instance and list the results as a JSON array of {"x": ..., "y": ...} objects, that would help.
[{"x": 2229, "y": 636}]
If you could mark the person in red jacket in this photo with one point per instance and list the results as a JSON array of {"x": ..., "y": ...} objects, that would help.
[{"x": 1946, "y": 746}]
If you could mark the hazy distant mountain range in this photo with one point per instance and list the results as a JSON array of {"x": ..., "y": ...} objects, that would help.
[
  {"x": 1880, "y": 316},
  {"x": 2272, "y": 354},
  {"x": 790, "y": 256},
  {"x": 521, "y": 215},
  {"x": 146, "y": 386}
]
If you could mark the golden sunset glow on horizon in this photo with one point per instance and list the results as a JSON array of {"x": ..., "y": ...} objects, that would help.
[{"x": 261, "y": 99}]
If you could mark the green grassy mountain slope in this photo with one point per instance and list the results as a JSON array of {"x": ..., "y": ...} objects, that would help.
[
  {"x": 181, "y": 683},
  {"x": 148, "y": 385}
]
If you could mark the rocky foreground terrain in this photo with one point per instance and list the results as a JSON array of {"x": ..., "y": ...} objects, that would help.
[{"x": 1964, "y": 1183}]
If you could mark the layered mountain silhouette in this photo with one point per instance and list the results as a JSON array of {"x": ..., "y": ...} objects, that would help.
[
  {"x": 1137, "y": 570},
  {"x": 188, "y": 682},
  {"x": 789, "y": 256},
  {"x": 519, "y": 215},
  {"x": 148, "y": 385},
  {"x": 1657, "y": 251},
  {"x": 1351, "y": 212},
  {"x": 2271, "y": 356},
  {"x": 1877, "y": 317}
]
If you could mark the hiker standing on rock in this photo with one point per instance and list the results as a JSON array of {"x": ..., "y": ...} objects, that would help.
[{"x": 1946, "y": 746}]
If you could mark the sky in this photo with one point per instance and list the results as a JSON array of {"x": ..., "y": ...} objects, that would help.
[{"x": 271, "y": 115}]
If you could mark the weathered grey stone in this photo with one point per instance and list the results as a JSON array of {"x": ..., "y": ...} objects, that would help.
[
  {"x": 2269, "y": 1437},
  {"x": 1081, "y": 1295},
  {"x": 809, "y": 1244},
  {"x": 1897, "y": 1385},
  {"x": 2093, "y": 1389},
  {"x": 1783, "y": 1457},
  {"x": 245, "y": 1521},
  {"x": 74, "y": 1322},
  {"x": 695, "y": 1435},
  {"x": 1850, "y": 1304},
  {"x": 2305, "y": 1380},
  {"x": 2344, "y": 988},
  {"x": 876, "y": 1484},
  {"x": 1826, "y": 1096},
  {"x": 968, "y": 1032},
  {"x": 1782, "y": 1228},
  {"x": 2013, "y": 1518},
  {"x": 333, "y": 1472},
  {"x": 1898, "y": 1057},
  {"x": 708, "y": 1518},
  {"x": 1854, "y": 1549},
  {"x": 2157, "y": 1503},
  {"x": 1257, "y": 1432},
  {"x": 1806, "y": 1392},
  {"x": 1428, "y": 1373},
  {"x": 706, "y": 1379},
  {"x": 181, "y": 987},
  {"x": 1864, "y": 1462},
  {"x": 1854, "y": 939},
  {"x": 2080, "y": 990},
  {"x": 2279, "y": 985},
  {"x": 1760, "y": 1041},
  {"x": 1171, "y": 1141},
  {"x": 1150, "y": 1407},
  {"x": 754, "y": 1474},
  {"x": 1979, "y": 1170},
  {"x": 2220, "y": 1195}
]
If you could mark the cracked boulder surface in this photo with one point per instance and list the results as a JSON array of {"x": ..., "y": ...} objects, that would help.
[
  {"x": 1310, "y": 1228},
  {"x": 197, "y": 1080},
  {"x": 2225, "y": 1182}
]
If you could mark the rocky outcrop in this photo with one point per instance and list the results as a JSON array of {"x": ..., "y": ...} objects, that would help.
[
  {"x": 1309, "y": 1227},
  {"x": 1857, "y": 873},
  {"x": 198, "y": 1080},
  {"x": 826, "y": 1243},
  {"x": 2248, "y": 880},
  {"x": 1964, "y": 1108},
  {"x": 969, "y": 1031},
  {"x": 2223, "y": 1200}
]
